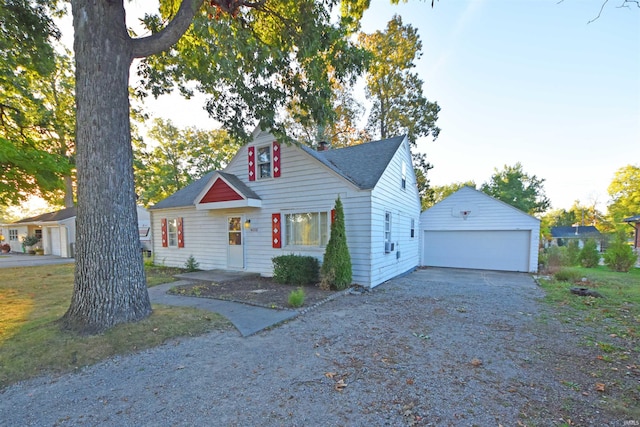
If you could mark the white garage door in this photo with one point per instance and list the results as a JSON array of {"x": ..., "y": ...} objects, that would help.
[
  {"x": 506, "y": 250},
  {"x": 55, "y": 241}
]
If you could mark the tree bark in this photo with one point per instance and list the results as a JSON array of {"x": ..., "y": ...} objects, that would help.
[{"x": 110, "y": 284}]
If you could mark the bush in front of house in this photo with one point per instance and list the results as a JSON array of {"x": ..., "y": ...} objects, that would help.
[
  {"x": 619, "y": 256},
  {"x": 296, "y": 298},
  {"x": 336, "y": 267},
  {"x": 589, "y": 256},
  {"x": 191, "y": 264},
  {"x": 295, "y": 269}
]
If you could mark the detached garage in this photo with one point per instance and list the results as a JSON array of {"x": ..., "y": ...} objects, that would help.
[{"x": 470, "y": 229}]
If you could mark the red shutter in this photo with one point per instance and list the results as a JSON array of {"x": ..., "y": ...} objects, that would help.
[
  {"x": 276, "y": 231},
  {"x": 333, "y": 216},
  {"x": 251, "y": 160},
  {"x": 276, "y": 159},
  {"x": 163, "y": 225},
  {"x": 180, "y": 233}
]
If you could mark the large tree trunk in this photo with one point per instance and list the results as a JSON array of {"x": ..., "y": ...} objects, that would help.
[{"x": 110, "y": 284}]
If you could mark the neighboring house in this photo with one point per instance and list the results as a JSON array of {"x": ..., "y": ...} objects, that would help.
[
  {"x": 57, "y": 231},
  {"x": 562, "y": 236},
  {"x": 276, "y": 199},
  {"x": 634, "y": 221},
  {"x": 470, "y": 229}
]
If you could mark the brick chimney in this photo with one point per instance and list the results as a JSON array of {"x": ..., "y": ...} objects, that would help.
[{"x": 323, "y": 146}]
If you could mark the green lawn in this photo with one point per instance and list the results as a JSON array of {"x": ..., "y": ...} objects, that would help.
[
  {"x": 32, "y": 299},
  {"x": 620, "y": 305},
  {"x": 609, "y": 328}
]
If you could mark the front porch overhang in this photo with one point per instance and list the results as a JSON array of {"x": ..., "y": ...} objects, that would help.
[{"x": 244, "y": 203}]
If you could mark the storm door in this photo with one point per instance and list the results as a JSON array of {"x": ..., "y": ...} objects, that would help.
[{"x": 235, "y": 252}]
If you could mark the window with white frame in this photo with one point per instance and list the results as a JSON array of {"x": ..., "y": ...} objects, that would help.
[
  {"x": 264, "y": 161},
  {"x": 387, "y": 232},
  {"x": 307, "y": 229},
  {"x": 172, "y": 232},
  {"x": 403, "y": 183},
  {"x": 413, "y": 228},
  {"x": 13, "y": 235}
]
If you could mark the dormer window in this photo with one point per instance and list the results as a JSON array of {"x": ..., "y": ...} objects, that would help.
[{"x": 264, "y": 162}]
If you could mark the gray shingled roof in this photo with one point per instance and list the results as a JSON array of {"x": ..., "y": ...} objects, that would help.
[
  {"x": 363, "y": 165},
  {"x": 51, "y": 216},
  {"x": 632, "y": 219},
  {"x": 186, "y": 196},
  {"x": 575, "y": 232}
]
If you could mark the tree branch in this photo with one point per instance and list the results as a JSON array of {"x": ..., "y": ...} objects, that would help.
[
  {"x": 170, "y": 35},
  {"x": 625, "y": 3}
]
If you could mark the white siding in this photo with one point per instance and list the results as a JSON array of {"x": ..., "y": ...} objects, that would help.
[
  {"x": 305, "y": 185},
  {"x": 487, "y": 214},
  {"x": 16, "y": 245},
  {"x": 404, "y": 205}
]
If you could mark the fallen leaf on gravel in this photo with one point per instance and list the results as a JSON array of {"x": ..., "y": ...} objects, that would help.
[
  {"x": 476, "y": 362},
  {"x": 600, "y": 386},
  {"x": 330, "y": 374},
  {"x": 340, "y": 385},
  {"x": 410, "y": 381}
]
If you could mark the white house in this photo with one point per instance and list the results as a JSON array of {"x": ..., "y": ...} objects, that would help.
[
  {"x": 275, "y": 199},
  {"x": 470, "y": 229},
  {"x": 57, "y": 231}
]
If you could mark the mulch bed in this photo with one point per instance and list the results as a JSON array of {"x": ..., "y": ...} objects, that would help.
[{"x": 255, "y": 290}]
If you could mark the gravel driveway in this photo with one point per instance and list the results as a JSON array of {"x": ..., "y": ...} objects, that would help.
[{"x": 436, "y": 347}]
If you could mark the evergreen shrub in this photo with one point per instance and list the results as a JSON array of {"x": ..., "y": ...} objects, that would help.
[
  {"x": 336, "y": 267},
  {"x": 295, "y": 269}
]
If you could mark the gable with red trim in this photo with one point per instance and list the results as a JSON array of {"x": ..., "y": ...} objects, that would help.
[{"x": 220, "y": 191}]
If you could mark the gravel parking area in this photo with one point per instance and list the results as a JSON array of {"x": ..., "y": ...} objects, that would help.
[{"x": 437, "y": 347}]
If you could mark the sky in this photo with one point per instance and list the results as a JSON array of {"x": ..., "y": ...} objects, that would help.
[{"x": 529, "y": 81}]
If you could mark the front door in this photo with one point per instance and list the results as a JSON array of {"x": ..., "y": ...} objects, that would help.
[{"x": 235, "y": 252}]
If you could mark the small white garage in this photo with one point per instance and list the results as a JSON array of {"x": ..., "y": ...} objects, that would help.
[{"x": 470, "y": 229}]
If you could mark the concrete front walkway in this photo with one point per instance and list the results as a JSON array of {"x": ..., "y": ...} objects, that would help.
[{"x": 247, "y": 319}]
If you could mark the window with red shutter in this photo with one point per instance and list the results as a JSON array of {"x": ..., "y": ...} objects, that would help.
[{"x": 163, "y": 225}]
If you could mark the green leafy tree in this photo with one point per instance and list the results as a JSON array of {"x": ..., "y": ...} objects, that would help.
[
  {"x": 619, "y": 256},
  {"x": 29, "y": 162},
  {"x": 624, "y": 191},
  {"x": 177, "y": 158},
  {"x": 399, "y": 105},
  {"x": 336, "y": 267},
  {"x": 398, "y": 102},
  {"x": 513, "y": 186},
  {"x": 589, "y": 256},
  {"x": 343, "y": 131},
  {"x": 251, "y": 58}
]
